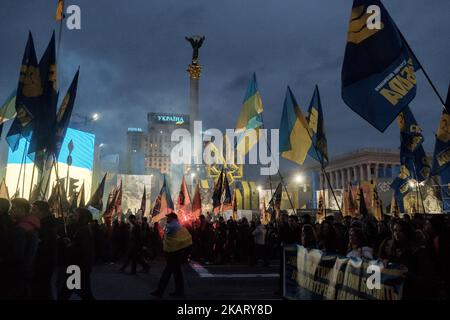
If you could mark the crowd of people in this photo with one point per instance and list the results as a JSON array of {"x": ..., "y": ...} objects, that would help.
[{"x": 36, "y": 247}]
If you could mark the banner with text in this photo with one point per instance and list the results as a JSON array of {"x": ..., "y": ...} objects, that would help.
[{"x": 313, "y": 275}]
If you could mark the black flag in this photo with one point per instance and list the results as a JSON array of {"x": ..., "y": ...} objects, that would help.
[{"x": 96, "y": 200}]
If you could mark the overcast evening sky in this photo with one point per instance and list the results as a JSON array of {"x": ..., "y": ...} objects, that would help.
[{"x": 133, "y": 59}]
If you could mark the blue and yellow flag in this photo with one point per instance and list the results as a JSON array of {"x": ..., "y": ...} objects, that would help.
[
  {"x": 29, "y": 94},
  {"x": 250, "y": 117},
  {"x": 441, "y": 157},
  {"x": 319, "y": 149},
  {"x": 412, "y": 154},
  {"x": 295, "y": 137},
  {"x": 378, "y": 73}
]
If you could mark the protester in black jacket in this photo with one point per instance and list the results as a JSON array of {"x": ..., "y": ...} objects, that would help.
[
  {"x": 134, "y": 250},
  {"x": 46, "y": 256},
  {"x": 6, "y": 228},
  {"x": 24, "y": 244},
  {"x": 81, "y": 254}
]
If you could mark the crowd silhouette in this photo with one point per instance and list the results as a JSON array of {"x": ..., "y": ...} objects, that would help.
[{"x": 36, "y": 247}]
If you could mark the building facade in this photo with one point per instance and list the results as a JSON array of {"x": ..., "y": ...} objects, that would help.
[
  {"x": 158, "y": 143},
  {"x": 362, "y": 166},
  {"x": 135, "y": 140}
]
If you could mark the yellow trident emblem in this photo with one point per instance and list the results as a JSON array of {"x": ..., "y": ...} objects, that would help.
[{"x": 31, "y": 81}]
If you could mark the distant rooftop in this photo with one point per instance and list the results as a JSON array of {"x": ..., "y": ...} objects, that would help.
[{"x": 364, "y": 150}]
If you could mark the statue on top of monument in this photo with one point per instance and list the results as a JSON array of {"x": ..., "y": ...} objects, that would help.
[{"x": 196, "y": 43}]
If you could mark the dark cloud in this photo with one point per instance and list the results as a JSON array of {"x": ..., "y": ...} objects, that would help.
[{"x": 133, "y": 59}]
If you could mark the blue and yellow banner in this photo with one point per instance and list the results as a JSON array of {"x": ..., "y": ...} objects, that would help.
[
  {"x": 378, "y": 73},
  {"x": 250, "y": 117},
  {"x": 295, "y": 136}
]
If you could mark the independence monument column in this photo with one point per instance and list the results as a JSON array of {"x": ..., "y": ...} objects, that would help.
[{"x": 194, "y": 71}]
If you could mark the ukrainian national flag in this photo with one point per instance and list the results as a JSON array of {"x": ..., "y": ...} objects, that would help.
[
  {"x": 250, "y": 117},
  {"x": 378, "y": 73},
  {"x": 319, "y": 150},
  {"x": 295, "y": 138}
]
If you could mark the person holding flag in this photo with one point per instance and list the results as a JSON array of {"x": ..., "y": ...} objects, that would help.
[{"x": 177, "y": 240}]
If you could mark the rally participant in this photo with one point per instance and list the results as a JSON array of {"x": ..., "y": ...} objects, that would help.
[{"x": 176, "y": 241}]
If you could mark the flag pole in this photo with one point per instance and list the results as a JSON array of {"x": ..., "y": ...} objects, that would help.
[
  {"x": 323, "y": 171},
  {"x": 279, "y": 174},
  {"x": 270, "y": 176},
  {"x": 60, "y": 35},
  {"x": 49, "y": 176},
  {"x": 21, "y": 166},
  {"x": 32, "y": 179},
  {"x": 59, "y": 193},
  {"x": 419, "y": 190},
  {"x": 424, "y": 72},
  {"x": 323, "y": 197},
  {"x": 67, "y": 181}
]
